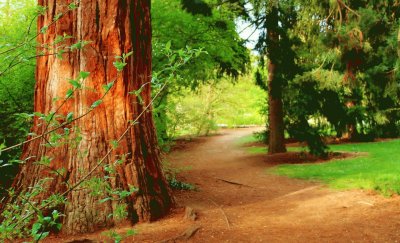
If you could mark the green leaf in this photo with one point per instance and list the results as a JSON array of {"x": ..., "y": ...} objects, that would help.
[
  {"x": 137, "y": 92},
  {"x": 69, "y": 94},
  {"x": 114, "y": 144},
  {"x": 58, "y": 39},
  {"x": 69, "y": 117},
  {"x": 72, "y": 6},
  {"x": 44, "y": 29},
  {"x": 172, "y": 58},
  {"x": 59, "y": 54},
  {"x": 108, "y": 86},
  {"x": 67, "y": 131},
  {"x": 105, "y": 199},
  {"x": 124, "y": 194},
  {"x": 140, "y": 99},
  {"x": 55, "y": 214},
  {"x": 198, "y": 53},
  {"x": 83, "y": 75},
  {"x": 96, "y": 103},
  {"x": 58, "y": 16},
  {"x": 138, "y": 95},
  {"x": 45, "y": 161},
  {"x": 2, "y": 146},
  {"x": 131, "y": 232},
  {"x": 49, "y": 117},
  {"x": 41, "y": 10},
  {"x": 38, "y": 114},
  {"x": 119, "y": 65},
  {"x": 128, "y": 54},
  {"x": 41, "y": 236},
  {"x": 132, "y": 122},
  {"x": 59, "y": 226},
  {"x": 66, "y": 36},
  {"x": 75, "y": 83},
  {"x": 79, "y": 45},
  {"x": 168, "y": 46},
  {"x": 35, "y": 228}
]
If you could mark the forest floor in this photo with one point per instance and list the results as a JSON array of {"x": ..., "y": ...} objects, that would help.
[{"x": 238, "y": 200}]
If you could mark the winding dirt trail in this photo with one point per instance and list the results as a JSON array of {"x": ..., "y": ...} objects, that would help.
[{"x": 266, "y": 207}]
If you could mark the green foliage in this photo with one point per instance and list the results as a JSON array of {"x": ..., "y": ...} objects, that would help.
[
  {"x": 17, "y": 23},
  {"x": 260, "y": 148},
  {"x": 120, "y": 62},
  {"x": 170, "y": 173},
  {"x": 41, "y": 228},
  {"x": 262, "y": 136},
  {"x": 353, "y": 60},
  {"x": 213, "y": 105},
  {"x": 215, "y": 34},
  {"x": 117, "y": 237},
  {"x": 248, "y": 139},
  {"x": 197, "y": 7},
  {"x": 224, "y": 54},
  {"x": 162, "y": 81},
  {"x": 379, "y": 170},
  {"x": 17, "y": 217},
  {"x": 179, "y": 185}
]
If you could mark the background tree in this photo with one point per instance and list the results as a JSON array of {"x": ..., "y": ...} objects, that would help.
[
  {"x": 352, "y": 45},
  {"x": 274, "y": 20}
]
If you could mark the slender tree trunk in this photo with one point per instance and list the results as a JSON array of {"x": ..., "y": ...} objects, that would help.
[
  {"x": 351, "y": 127},
  {"x": 398, "y": 43},
  {"x": 113, "y": 27},
  {"x": 276, "y": 142}
]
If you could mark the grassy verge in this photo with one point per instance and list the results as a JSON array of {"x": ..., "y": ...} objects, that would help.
[
  {"x": 242, "y": 141},
  {"x": 262, "y": 149},
  {"x": 379, "y": 170}
]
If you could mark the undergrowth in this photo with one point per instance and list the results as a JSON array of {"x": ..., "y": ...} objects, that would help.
[{"x": 171, "y": 172}]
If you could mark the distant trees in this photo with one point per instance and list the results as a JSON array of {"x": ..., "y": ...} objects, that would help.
[
  {"x": 332, "y": 68},
  {"x": 274, "y": 19},
  {"x": 353, "y": 45},
  {"x": 195, "y": 24},
  {"x": 17, "y": 80}
]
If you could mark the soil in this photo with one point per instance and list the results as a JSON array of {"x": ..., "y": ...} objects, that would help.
[{"x": 238, "y": 200}]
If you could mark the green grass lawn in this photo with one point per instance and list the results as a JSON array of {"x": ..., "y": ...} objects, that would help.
[
  {"x": 246, "y": 139},
  {"x": 379, "y": 170},
  {"x": 263, "y": 150}
]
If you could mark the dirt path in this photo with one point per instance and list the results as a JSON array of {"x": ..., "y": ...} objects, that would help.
[{"x": 266, "y": 208}]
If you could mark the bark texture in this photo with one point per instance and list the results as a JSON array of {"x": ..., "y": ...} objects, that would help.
[
  {"x": 276, "y": 142},
  {"x": 113, "y": 27}
]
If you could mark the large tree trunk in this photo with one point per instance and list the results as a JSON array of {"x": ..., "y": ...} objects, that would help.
[
  {"x": 276, "y": 142},
  {"x": 113, "y": 27}
]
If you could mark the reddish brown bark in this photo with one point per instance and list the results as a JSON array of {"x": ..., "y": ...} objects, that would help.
[
  {"x": 276, "y": 142},
  {"x": 113, "y": 27}
]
